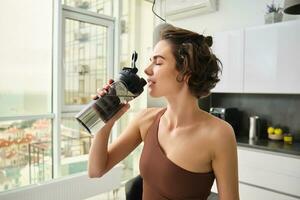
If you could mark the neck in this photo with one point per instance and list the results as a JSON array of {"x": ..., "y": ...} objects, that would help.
[{"x": 182, "y": 110}]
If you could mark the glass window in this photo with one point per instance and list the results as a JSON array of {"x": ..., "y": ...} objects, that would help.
[
  {"x": 25, "y": 152},
  {"x": 75, "y": 145},
  {"x": 88, "y": 52},
  {"x": 133, "y": 26},
  {"x": 25, "y": 58},
  {"x": 85, "y": 60},
  {"x": 25, "y": 93},
  {"x": 26, "y": 118},
  {"x": 98, "y": 6}
]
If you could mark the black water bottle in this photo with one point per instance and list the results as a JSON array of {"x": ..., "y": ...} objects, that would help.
[{"x": 127, "y": 87}]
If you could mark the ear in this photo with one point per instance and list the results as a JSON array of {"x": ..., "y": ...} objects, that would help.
[{"x": 186, "y": 78}]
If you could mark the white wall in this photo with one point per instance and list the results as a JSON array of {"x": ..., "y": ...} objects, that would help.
[{"x": 231, "y": 15}]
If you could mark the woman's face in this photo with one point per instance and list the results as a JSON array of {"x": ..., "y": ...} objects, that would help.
[{"x": 162, "y": 71}]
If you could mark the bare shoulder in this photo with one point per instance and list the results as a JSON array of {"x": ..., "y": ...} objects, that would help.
[
  {"x": 222, "y": 128},
  {"x": 222, "y": 134},
  {"x": 145, "y": 118}
]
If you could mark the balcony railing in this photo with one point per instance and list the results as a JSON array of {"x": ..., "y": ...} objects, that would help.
[{"x": 31, "y": 163}]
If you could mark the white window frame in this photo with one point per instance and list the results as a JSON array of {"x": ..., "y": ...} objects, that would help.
[
  {"x": 108, "y": 182},
  {"x": 93, "y": 18},
  {"x": 68, "y": 12}
]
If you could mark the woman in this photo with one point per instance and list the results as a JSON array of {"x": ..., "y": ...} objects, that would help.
[{"x": 185, "y": 148}]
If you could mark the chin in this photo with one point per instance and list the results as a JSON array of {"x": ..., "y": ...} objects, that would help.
[{"x": 153, "y": 94}]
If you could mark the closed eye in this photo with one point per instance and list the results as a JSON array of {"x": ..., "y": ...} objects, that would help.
[{"x": 157, "y": 60}]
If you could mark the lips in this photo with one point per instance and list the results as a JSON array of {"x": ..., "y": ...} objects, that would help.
[{"x": 150, "y": 82}]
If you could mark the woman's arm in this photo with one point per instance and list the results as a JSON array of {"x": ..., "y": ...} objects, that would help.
[
  {"x": 102, "y": 157},
  {"x": 225, "y": 164}
]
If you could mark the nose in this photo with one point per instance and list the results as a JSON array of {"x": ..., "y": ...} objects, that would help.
[{"x": 149, "y": 70}]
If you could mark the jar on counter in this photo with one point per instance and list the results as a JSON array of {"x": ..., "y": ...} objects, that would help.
[{"x": 288, "y": 138}]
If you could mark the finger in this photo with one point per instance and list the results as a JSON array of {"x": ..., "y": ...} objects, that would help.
[
  {"x": 106, "y": 87},
  {"x": 110, "y": 81},
  {"x": 94, "y": 97},
  {"x": 99, "y": 91},
  {"x": 102, "y": 93},
  {"x": 126, "y": 106},
  {"x": 124, "y": 109}
]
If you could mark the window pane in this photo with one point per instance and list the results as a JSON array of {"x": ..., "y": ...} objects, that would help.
[
  {"x": 128, "y": 41},
  {"x": 99, "y": 6},
  {"x": 85, "y": 61},
  {"x": 25, "y": 153},
  {"x": 75, "y": 145},
  {"x": 25, "y": 57}
]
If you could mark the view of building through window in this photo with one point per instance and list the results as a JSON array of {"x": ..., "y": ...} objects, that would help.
[
  {"x": 87, "y": 46},
  {"x": 85, "y": 69},
  {"x": 136, "y": 28},
  {"x": 85, "y": 61},
  {"x": 75, "y": 145},
  {"x": 27, "y": 119},
  {"x": 25, "y": 152},
  {"x": 98, "y": 6}
]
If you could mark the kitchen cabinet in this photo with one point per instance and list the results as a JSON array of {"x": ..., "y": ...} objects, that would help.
[
  {"x": 229, "y": 48},
  {"x": 272, "y": 63},
  {"x": 248, "y": 192},
  {"x": 276, "y": 173},
  {"x": 264, "y": 175},
  {"x": 263, "y": 59}
]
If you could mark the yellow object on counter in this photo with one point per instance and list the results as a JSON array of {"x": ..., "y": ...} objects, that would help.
[
  {"x": 288, "y": 138},
  {"x": 270, "y": 130},
  {"x": 278, "y": 131}
]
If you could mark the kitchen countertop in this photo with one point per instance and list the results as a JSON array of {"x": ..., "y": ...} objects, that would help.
[{"x": 269, "y": 145}]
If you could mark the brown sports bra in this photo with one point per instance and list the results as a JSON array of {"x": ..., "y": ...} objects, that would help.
[{"x": 163, "y": 179}]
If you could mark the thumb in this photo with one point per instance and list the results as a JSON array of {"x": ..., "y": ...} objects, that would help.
[{"x": 124, "y": 109}]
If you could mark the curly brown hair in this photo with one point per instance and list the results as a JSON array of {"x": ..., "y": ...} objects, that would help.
[{"x": 194, "y": 59}]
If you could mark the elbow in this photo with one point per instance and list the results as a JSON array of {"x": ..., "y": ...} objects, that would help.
[
  {"x": 95, "y": 171},
  {"x": 95, "y": 174}
]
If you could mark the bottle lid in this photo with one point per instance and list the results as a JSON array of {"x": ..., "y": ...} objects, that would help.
[{"x": 128, "y": 75}]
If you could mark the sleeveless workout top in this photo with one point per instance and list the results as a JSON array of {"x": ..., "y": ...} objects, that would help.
[{"x": 163, "y": 179}]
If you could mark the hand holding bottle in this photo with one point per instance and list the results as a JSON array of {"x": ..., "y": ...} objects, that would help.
[
  {"x": 104, "y": 91},
  {"x": 112, "y": 101}
]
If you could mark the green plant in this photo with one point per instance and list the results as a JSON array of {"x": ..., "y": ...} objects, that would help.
[{"x": 273, "y": 8}]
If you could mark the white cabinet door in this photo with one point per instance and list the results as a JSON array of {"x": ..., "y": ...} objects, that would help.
[
  {"x": 248, "y": 192},
  {"x": 272, "y": 58},
  {"x": 229, "y": 48},
  {"x": 271, "y": 171}
]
